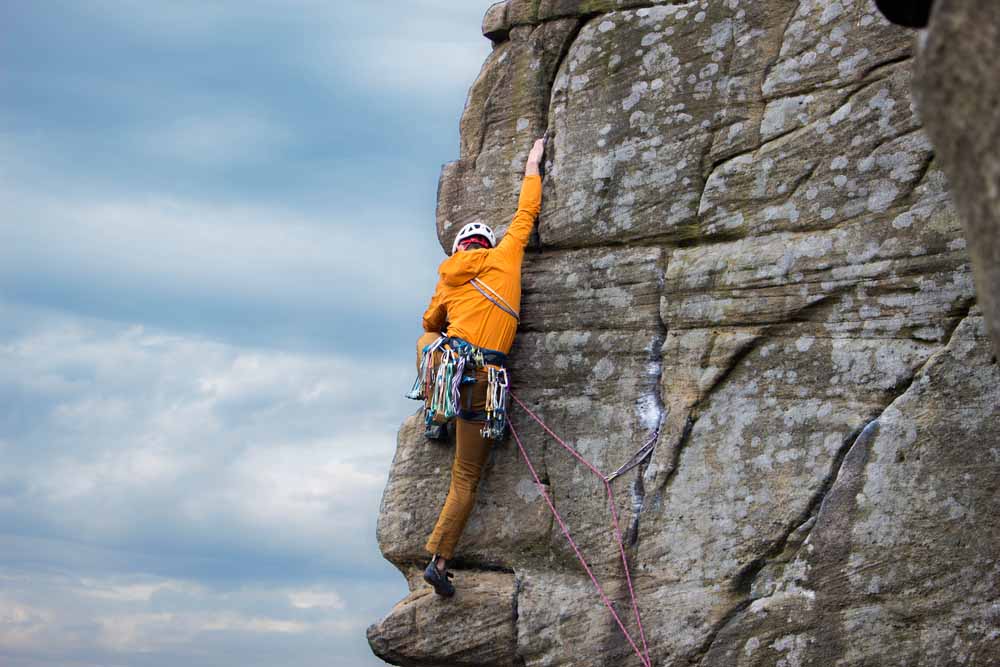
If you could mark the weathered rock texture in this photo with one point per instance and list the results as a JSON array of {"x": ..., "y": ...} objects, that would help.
[
  {"x": 958, "y": 83},
  {"x": 745, "y": 240}
]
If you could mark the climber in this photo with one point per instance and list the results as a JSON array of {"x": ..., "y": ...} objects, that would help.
[{"x": 478, "y": 294}]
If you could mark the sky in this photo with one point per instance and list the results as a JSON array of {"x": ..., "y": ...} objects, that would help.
[{"x": 216, "y": 242}]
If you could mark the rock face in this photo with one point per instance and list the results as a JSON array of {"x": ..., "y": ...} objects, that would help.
[
  {"x": 958, "y": 83},
  {"x": 745, "y": 240}
]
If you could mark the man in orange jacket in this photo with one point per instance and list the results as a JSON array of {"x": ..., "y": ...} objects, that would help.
[{"x": 478, "y": 295}]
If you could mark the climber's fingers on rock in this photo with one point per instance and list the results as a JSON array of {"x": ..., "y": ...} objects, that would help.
[{"x": 535, "y": 155}]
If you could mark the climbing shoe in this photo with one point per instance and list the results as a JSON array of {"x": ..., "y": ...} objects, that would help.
[
  {"x": 436, "y": 431},
  {"x": 439, "y": 579}
]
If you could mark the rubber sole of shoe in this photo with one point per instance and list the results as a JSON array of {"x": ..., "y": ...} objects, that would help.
[{"x": 444, "y": 589}]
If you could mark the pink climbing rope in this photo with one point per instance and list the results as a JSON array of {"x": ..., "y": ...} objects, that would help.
[{"x": 644, "y": 654}]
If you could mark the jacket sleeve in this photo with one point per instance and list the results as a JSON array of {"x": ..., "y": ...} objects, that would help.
[
  {"x": 436, "y": 314},
  {"x": 528, "y": 205}
]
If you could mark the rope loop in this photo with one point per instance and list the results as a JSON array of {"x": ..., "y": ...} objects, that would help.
[{"x": 644, "y": 653}]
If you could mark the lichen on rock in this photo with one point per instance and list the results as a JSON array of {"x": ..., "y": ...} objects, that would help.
[{"x": 747, "y": 242}]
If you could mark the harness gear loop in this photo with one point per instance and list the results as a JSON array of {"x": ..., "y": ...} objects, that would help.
[
  {"x": 497, "y": 385},
  {"x": 423, "y": 385}
]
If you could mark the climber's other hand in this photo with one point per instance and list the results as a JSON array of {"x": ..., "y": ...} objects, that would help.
[{"x": 534, "y": 158}]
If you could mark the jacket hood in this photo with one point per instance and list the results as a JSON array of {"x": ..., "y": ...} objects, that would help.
[{"x": 462, "y": 267}]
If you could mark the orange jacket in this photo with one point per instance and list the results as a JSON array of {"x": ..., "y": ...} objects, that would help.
[{"x": 469, "y": 314}]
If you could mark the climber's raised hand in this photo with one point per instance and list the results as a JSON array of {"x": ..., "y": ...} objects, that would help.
[{"x": 534, "y": 158}]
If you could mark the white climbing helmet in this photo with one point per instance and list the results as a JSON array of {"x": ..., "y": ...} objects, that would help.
[{"x": 474, "y": 229}]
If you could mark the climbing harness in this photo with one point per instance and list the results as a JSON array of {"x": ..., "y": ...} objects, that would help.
[
  {"x": 606, "y": 479},
  {"x": 495, "y": 299},
  {"x": 439, "y": 382}
]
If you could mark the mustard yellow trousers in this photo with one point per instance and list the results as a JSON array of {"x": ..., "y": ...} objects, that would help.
[{"x": 471, "y": 452}]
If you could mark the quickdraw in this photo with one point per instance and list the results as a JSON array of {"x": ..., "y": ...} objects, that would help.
[
  {"x": 443, "y": 401},
  {"x": 423, "y": 386},
  {"x": 497, "y": 386}
]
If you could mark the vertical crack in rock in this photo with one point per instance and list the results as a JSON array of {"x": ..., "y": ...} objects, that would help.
[
  {"x": 637, "y": 491},
  {"x": 566, "y": 48},
  {"x": 733, "y": 363},
  {"x": 694, "y": 412},
  {"x": 484, "y": 115},
  {"x": 788, "y": 546},
  {"x": 653, "y": 419}
]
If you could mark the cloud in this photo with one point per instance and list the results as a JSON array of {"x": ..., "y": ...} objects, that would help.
[
  {"x": 217, "y": 138},
  {"x": 258, "y": 101},
  {"x": 258, "y": 250},
  {"x": 157, "y": 621},
  {"x": 204, "y": 496},
  {"x": 384, "y": 47},
  {"x": 141, "y": 439},
  {"x": 424, "y": 53},
  {"x": 187, "y": 20},
  {"x": 216, "y": 242},
  {"x": 153, "y": 256},
  {"x": 430, "y": 69},
  {"x": 450, "y": 65}
]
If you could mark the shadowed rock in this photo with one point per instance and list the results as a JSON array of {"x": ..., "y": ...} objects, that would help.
[{"x": 958, "y": 84}]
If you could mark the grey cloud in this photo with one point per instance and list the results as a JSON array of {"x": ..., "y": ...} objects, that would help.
[
  {"x": 156, "y": 438},
  {"x": 157, "y": 621},
  {"x": 279, "y": 270},
  {"x": 176, "y": 131}
]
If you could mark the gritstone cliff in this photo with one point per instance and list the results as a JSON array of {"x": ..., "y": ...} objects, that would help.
[{"x": 748, "y": 241}]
